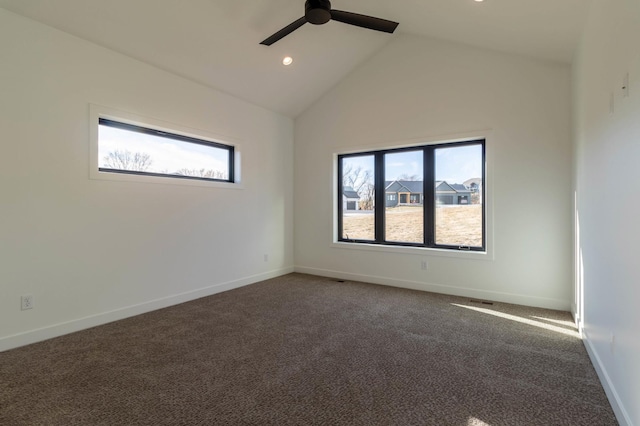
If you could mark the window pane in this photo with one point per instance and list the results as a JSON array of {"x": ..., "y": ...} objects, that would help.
[
  {"x": 404, "y": 219},
  {"x": 358, "y": 195},
  {"x": 458, "y": 195},
  {"x": 136, "y": 151}
]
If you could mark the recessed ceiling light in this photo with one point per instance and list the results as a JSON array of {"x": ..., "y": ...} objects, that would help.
[
  {"x": 479, "y": 1},
  {"x": 288, "y": 60}
]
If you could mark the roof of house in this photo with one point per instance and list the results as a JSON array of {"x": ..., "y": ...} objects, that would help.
[
  {"x": 469, "y": 182},
  {"x": 349, "y": 192},
  {"x": 415, "y": 186},
  {"x": 459, "y": 187},
  {"x": 443, "y": 185}
]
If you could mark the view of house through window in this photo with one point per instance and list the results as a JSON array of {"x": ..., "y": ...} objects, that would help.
[
  {"x": 403, "y": 181},
  {"x": 126, "y": 148},
  {"x": 429, "y": 196},
  {"x": 458, "y": 195}
]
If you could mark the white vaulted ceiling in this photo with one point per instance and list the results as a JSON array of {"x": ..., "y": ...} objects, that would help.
[{"x": 216, "y": 42}]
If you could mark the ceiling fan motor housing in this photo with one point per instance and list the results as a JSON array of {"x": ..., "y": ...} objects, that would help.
[{"x": 317, "y": 11}]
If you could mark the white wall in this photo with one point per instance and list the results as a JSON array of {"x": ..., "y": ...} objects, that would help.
[
  {"x": 607, "y": 152},
  {"x": 91, "y": 251},
  {"x": 418, "y": 88}
]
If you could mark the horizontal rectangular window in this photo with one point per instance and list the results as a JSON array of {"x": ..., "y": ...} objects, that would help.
[
  {"x": 426, "y": 196},
  {"x": 138, "y": 150}
]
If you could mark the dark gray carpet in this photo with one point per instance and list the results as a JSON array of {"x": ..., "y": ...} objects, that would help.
[{"x": 304, "y": 350}]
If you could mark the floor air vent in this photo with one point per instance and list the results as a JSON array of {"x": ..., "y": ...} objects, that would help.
[{"x": 483, "y": 302}]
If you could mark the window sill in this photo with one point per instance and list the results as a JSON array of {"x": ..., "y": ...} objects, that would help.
[
  {"x": 124, "y": 177},
  {"x": 416, "y": 251}
]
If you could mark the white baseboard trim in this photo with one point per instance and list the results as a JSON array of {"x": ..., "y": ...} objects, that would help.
[
  {"x": 495, "y": 296},
  {"x": 618, "y": 408},
  {"x": 44, "y": 333}
]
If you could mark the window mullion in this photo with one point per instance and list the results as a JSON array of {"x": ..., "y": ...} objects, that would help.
[
  {"x": 340, "y": 212},
  {"x": 379, "y": 197},
  {"x": 429, "y": 196},
  {"x": 484, "y": 199}
]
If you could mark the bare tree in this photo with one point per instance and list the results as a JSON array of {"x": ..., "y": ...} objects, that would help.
[
  {"x": 362, "y": 182},
  {"x": 126, "y": 160},
  {"x": 367, "y": 196},
  {"x": 475, "y": 193},
  {"x": 203, "y": 173},
  {"x": 356, "y": 178}
]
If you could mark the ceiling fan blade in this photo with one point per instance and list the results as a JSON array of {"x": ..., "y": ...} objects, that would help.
[
  {"x": 364, "y": 21},
  {"x": 284, "y": 32}
]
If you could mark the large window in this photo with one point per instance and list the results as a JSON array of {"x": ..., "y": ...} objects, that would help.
[
  {"x": 426, "y": 196},
  {"x": 131, "y": 149}
]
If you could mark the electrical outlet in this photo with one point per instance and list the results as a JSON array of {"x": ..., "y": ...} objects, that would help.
[
  {"x": 26, "y": 302},
  {"x": 266, "y": 257},
  {"x": 424, "y": 265}
]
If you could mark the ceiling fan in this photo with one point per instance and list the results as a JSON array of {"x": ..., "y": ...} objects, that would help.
[{"x": 319, "y": 12}]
